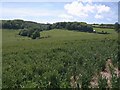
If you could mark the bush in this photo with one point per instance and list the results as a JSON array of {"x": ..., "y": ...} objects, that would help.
[
  {"x": 23, "y": 32},
  {"x": 35, "y": 35},
  {"x": 30, "y": 33}
]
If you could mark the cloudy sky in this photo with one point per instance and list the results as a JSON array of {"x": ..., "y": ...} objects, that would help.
[{"x": 89, "y": 11}]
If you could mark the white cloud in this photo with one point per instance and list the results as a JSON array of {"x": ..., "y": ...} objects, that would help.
[
  {"x": 76, "y": 8},
  {"x": 82, "y": 9},
  {"x": 65, "y": 16},
  {"x": 102, "y": 8},
  {"x": 97, "y": 16},
  {"x": 89, "y": 1}
]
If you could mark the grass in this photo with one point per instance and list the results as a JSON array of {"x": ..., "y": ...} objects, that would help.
[
  {"x": 54, "y": 58},
  {"x": 56, "y": 35},
  {"x": 0, "y": 59}
]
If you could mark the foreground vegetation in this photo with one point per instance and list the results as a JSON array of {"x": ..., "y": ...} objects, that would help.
[
  {"x": 58, "y": 59},
  {"x": 0, "y": 59}
]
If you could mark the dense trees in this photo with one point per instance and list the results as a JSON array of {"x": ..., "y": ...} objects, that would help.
[
  {"x": 110, "y": 26},
  {"x": 20, "y": 24},
  {"x": 30, "y": 33},
  {"x": 35, "y": 34},
  {"x": 23, "y": 32},
  {"x": 29, "y": 27},
  {"x": 13, "y": 24},
  {"x": 117, "y": 27},
  {"x": 32, "y": 29},
  {"x": 76, "y": 26}
]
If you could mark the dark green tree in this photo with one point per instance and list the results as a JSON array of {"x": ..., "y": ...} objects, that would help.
[
  {"x": 23, "y": 32},
  {"x": 35, "y": 34},
  {"x": 117, "y": 27}
]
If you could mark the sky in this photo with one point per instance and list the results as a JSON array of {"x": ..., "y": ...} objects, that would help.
[{"x": 46, "y": 11}]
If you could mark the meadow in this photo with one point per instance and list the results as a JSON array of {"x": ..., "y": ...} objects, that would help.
[
  {"x": 56, "y": 57},
  {"x": 0, "y": 59}
]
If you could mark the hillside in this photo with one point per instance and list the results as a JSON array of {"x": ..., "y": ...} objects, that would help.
[{"x": 57, "y": 57}]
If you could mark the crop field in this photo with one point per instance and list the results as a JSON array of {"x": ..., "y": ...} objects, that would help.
[
  {"x": 0, "y": 59},
  {"x": 59, "y": 59}
]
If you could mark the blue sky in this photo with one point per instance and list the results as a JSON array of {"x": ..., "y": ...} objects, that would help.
[
  {"x": 50, "y": 12},
  {"x": 56, "y": 0}
]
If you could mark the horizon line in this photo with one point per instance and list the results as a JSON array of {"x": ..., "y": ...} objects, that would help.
[{"x": 54, "y": 22}]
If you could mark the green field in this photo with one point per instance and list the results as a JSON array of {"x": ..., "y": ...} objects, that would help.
[
  {"x": 52, "y": 60},
  {"x": 0, "y": 59}
]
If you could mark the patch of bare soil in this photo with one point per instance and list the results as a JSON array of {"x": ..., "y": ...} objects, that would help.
[
  {"x": 74, "y": 82},
  {"x": 106, "y": 74}
]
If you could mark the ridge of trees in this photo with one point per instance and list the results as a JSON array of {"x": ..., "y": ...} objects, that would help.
[
  {"x": 21, "y": 24},
  {"x": 33, "y": 29},
  {"x": 110, "y": 26}
]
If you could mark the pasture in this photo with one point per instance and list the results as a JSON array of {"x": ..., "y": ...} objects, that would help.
[
  {"x": 0, "y": 59},
  {"x": 52, "y": 60}
]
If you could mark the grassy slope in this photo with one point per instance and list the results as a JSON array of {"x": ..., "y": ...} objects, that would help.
[
  {"x": 0, "y": 59},
  {"x": 57, "y": 35},
  {"x": 63, "y": 46},
  {"x": 11, "y": 41}
]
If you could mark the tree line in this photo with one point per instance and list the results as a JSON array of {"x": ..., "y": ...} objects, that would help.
[
  {"x": 31, "y": 29},
  {"x": 76, "y": 26},
  {"x": 109, "y": 26},
  {"x": 21, "y": 24}
]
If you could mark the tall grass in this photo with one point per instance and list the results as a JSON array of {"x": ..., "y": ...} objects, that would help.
[{"x": 50, "y": 62}]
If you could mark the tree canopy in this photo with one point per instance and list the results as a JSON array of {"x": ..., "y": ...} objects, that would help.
[
  {"x": 21, "y": 24},
  {"x": 117, "y": 27},
  {"x": 32, "y": 29},
  {"x": 30, "y": 33}
]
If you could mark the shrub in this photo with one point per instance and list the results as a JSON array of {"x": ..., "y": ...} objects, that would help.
[
  {"x": 23, "y": 32},
  {"x": 35, "y": 35},
  {"x": 30, "y": 33}
]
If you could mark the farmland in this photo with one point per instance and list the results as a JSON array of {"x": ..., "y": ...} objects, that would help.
[
  {"x": 0, "y": 59},
  {"x": 56, "y": 57}
]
